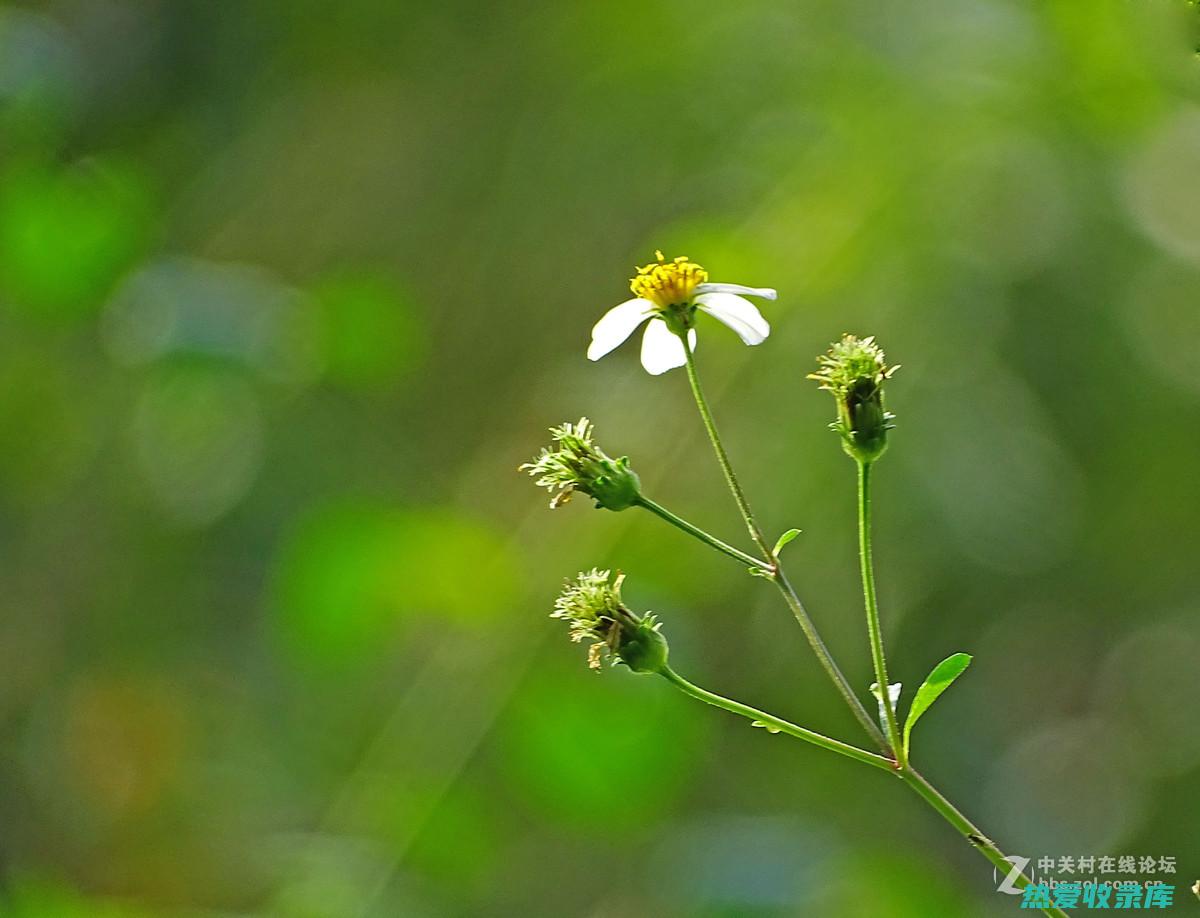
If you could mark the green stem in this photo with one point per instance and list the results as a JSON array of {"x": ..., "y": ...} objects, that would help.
[
  {"x": 966, "y": 829},
  {"x": 710, "y": 425},
  {"x": 785, "y": 587},
  {"x": 836, "y": 676},
  {"x": 664, "y": 513},
  {"x": 774, "y": 723},
  {"x": 909, "y": 775},
  {"x": 872, "y": 607}
]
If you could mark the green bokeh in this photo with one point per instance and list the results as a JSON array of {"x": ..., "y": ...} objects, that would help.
[
  {"x": 67, "y": 234},
  {"x": 372, "y": 335},
  {"x": 352, "y": 575},
  {"x": 41, "y": 899},
  {"x": 587, "y": 749}
]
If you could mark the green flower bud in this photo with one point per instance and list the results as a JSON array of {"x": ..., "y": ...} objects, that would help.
[
  {"x": 855, "y": 371},
  {"x": 592, "y": 606},
  {"x": 575, "y": 463}
]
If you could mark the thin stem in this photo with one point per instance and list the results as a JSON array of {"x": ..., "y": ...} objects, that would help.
[
  {"x": 909, "y": 775},
  {"x": 785, "y": 587},
  {"x": 710, "y": 425},
  {"x": 664, "y": 513},
  {"x": 872, "y": 607},
  {"x": 836, "y": 676},
  {"x": 771, "y": 722},
  {"x": 967, "y": 829}
]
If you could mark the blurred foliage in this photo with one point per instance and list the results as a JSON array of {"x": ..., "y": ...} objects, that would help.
[{"x": 287, "y": 292}]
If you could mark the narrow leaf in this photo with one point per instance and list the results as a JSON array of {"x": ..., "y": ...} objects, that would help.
[
  {"x": 937, "y": 682},
  {"x": 784, "y": 539}
]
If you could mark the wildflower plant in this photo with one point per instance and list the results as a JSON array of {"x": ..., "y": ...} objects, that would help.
[{"x": 669, "y": 295}]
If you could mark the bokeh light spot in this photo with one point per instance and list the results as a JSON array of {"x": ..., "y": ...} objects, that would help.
[
  {"x": 336, "y": 596},
  {"x": 180, "y": 306},
  {"x": 1160, "y": 186},
  {"x": 372, "y": 334},
  {"x": 1161, "y": 314},
  {"x": 38, "y": 897},
  {"x": 39, "y": 75},
  {"x": 722, "y": 864},
  {"x": 895, "y": 884},
  {"x": 1023, "y": 514},
  {"x": 67, "y": 235},
  {"x": 351, "y": 573},
  {"x": 588, "y": 749},
  {"x": 123, "y": 743},
  {"x": 198, "y": 440},
  {"x": 1064, "y": 788},
  {"x": 1150, "y": 683}
]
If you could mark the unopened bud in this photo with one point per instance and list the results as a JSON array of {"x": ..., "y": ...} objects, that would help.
[{"x": 855, "y": 371}]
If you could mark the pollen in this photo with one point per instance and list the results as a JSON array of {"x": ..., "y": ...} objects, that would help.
[{"x": 668, "y": 283}]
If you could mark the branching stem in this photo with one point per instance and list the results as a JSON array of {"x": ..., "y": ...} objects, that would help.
[
  {"x": 895, "y": 759},
  {"x": 735, "y": 553},
  {"x": 776, "y": 724},
  {"x": 781, "y": 581}
]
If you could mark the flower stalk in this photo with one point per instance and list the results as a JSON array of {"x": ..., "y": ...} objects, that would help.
[
  {"x": 710, "y": 425},
  {"x": 775, "y": 724},
  {"x": 874, "y": 631},
  {"x": 762, "y": 567}
]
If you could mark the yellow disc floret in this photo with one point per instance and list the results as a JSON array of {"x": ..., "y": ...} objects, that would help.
[{"x": 668, "y": 283}]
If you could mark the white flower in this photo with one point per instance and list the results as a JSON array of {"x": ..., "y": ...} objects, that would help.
[{"x": 668, "y": 294}]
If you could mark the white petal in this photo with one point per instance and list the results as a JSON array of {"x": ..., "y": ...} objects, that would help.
[
  {"x": 738, "y": 313},
  {"x": 661, "y": 348},
  {"x": 616, "y": 325},
  {"x": 767, "y": 293},
  {"x": 894, "y": 693},
  {"x": 893, "y": 697}
]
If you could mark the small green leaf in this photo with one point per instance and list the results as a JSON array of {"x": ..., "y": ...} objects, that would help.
[
  {"x": 937, "y": 682},
  {"x": 783, "y": 540}
]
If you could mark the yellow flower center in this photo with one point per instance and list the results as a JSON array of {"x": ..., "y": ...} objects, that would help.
[{"x": 668, "y": 283}]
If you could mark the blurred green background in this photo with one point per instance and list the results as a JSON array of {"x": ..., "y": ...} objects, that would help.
[{"x": 289, "y": 289}]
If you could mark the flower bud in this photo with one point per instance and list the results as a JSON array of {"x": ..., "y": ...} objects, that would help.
[
  {"x": 575, "y": 463},
  {"x": 592, "y": 606},
  {"x": 854, "y": 370}
]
